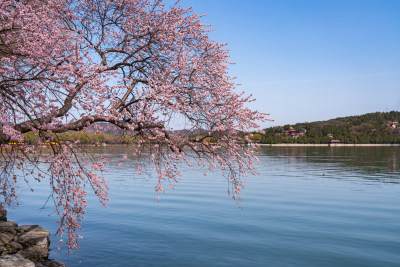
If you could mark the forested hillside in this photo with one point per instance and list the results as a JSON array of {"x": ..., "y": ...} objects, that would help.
[{"x": 371, "y": 128}]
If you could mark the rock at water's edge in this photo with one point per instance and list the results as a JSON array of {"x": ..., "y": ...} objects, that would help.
[
  {"x": 6, "y": 238},
  {"x": 3, "y": 213},
  {"x": 35, "y": 241},
  {"x": 11, "y": 248},
  {"x": 8, "y": 227},
  {"x": 50, "y": 263},
  {"x": 24, "y": 246},
  {"x": 15, "y": 260}
]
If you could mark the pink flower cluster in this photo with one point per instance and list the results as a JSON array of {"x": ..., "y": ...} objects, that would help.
[{"x": 136, "y": 64}]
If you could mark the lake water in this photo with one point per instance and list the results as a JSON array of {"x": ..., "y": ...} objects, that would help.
[{"x": 310, "y": 206}]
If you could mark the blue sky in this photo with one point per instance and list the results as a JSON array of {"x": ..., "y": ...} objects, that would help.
[{"x": 311, "y": 60}]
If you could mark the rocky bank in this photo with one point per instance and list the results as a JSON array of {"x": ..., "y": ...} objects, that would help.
[{"x": 24, "y": 246}]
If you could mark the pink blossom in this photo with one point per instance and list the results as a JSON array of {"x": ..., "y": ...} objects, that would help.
[{"x": 136, "y": 64}]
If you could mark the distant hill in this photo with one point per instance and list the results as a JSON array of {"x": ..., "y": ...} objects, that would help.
[
  {"x": 371, "y": 128},
  {"x": 104, "y": 127},
  {"x": 105, "y": 133}
]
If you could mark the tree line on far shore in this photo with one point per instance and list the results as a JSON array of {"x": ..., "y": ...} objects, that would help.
[
  {"x": 371, "y": 128},
  {"x": 86, "y": 138}
]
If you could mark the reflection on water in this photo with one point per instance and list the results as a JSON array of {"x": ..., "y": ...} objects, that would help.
[
  {"x": 310, "y": 206},
  {"x": 368, "y": 159},
  {"x": 372, "y": 163}
]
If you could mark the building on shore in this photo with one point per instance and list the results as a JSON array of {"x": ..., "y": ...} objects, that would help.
[{"x": 334, "y": 142}]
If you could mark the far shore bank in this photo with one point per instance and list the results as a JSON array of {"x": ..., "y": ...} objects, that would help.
[{"x": 323, "y": 145}]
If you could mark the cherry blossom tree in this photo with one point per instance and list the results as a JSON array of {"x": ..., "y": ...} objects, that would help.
[{"x": 137, "y": 64}]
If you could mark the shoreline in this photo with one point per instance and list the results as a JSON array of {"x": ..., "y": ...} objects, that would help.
[
  {"x": 24, "y": 245},
  {"x": 328, "y": 145}
]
